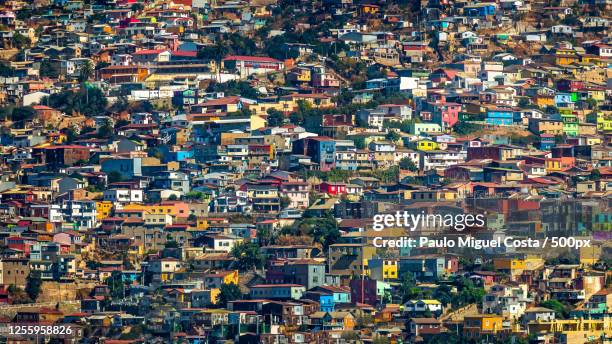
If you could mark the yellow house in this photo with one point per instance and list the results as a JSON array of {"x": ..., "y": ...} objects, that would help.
[
  {"x": 604, "y": 122},
  {"x": 590, "y": 255},
  {"x": 513, "y": 266},
  {"x": 103, "y": 209},
  {"x": 390, "y": 269},
  {"x": 566, "y": 57},
  {"x": 201, "y": 223},
  {"x": 382, "y": 268},
  {"x": 427, "y": 145},
  {"x": 598, "y": 94},
  {"x": 258, "y": 122},
  {"x": 475, "y": 326},
  {"x": 574, "y": 331},
  {"x": 542, "y": 100}
]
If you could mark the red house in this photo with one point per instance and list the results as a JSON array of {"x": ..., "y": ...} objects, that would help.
[
  {"x": 19, "y": 243},
  {"x": 332, "y": 188},
  {"x": 363, "y": 291}
]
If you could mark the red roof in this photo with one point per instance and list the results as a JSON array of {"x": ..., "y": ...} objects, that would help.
[
  {"x": 67, "y": 147},
  {"x": 222, "y": 101},
  {"x": 184, "y": 53},
  {"x": 276, "y": 285},
  {"x": 251, "y": 58},
  {"x": 41, "y": 107},
  {"x": 149, "y": 52}
]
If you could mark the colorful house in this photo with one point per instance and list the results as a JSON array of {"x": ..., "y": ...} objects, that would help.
[{"x": 500, "y": 116}]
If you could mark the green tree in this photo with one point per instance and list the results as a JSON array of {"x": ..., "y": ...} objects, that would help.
[
  {"x": 248, "y": 256},
  {"x": 86, "y": 71},
  {"x": 360, "y": 142},
  {"x": 106, "y": 130},
  {"x": 116, "y": 285},
  {"x": 408, "y": 164},
  {"x": 33, "y": 284},
  {"x": 171, "y": 244},
  {"x": 392, "y": 136},
  {"x": 20, "y": 115},
  {"x": 194, "y": 195},
  {"x": 275, "y": 118},
  {"x": 560, "y": 309},
  {"x": 6, "y": 70},
  {"x": 407, "y": 288},
  {"x": 323, "y": 230},
  {"x": 48, "y": 69},
  {"x": 88, "y": 100},
  {"x": 114, "y": 177},
  {"x": 228, "y": 292},
  {"x": 20, "y": 41}
]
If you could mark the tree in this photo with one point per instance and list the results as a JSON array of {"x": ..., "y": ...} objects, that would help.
[
  {"x": 116, "y": 285},
  {"x": 18, "y": 295},
  {"x": 360, "y": 142},
  {"x": 48, "y": 69},
  {"x": 88, "y": 100},
  {"x": 323, "y": 230},
  {"x": 408, "y": 289},
  {"x": 33, "y": 284},
  {"x": 275, "y": 118},
  {"x": 172, "y": 244},
  {"x": 559, "y": 308},
  {"x": 214, "y": 52},
  {"x": 464, "y": 128},
  {"x": 6, "y": 70},
  {"x": 106, "y": 130},
  {"x": 248, "y": 256},
  {"x": 194, "y": 195},
  {"x": 114, "y": 177},
  {"x": 22, "y": 114},
  {"x": 20, "y": 41},
  {"x": 392, "y": 136},
  {"x": 285, "y": 202},
  {"x": 228, "y": 292},
  {"x": 408, "y": 164},
  {"x": 86, "y": 71}
]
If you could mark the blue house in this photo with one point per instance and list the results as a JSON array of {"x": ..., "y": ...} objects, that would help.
[
  {"x": 563, "y": 99},
  {"x": 423, "y": 268},
  {"x": 547, "y": 141},
  {"x": 127, "y": 167},
  {"x": 500, "y": 116},
  {"x": 479, "y": 10},
  {"x": 325, "y": 300},
  {"x": 339, "y": 294}
]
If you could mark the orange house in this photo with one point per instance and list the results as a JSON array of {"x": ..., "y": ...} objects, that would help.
[
  {"x": 368, "y": 9},
  {"x": 542, "y": 100},
  {"x": 559, "y": 164},
  {"x": 475, "y": 326}
]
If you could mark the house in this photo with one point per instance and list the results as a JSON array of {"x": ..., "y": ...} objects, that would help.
[
  {"x": 423, "y": 306},
  {"x": 332, "y": 189},
  {"x": 248, "y": 65},
  {"x": 421, "y": 327},
  {"x": 538, "y": 314},
  {"x": 277, "y": 291},
  {"x": 325, "y": 321},
  {"x": 477, "y": 326},
  {"x": 500, "y": 116}
]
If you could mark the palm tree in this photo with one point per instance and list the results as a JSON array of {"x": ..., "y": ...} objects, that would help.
[{"x": 86, "y": 72}]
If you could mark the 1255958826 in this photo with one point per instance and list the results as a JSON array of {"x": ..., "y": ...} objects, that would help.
[{"x": 34, "y": 330}]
